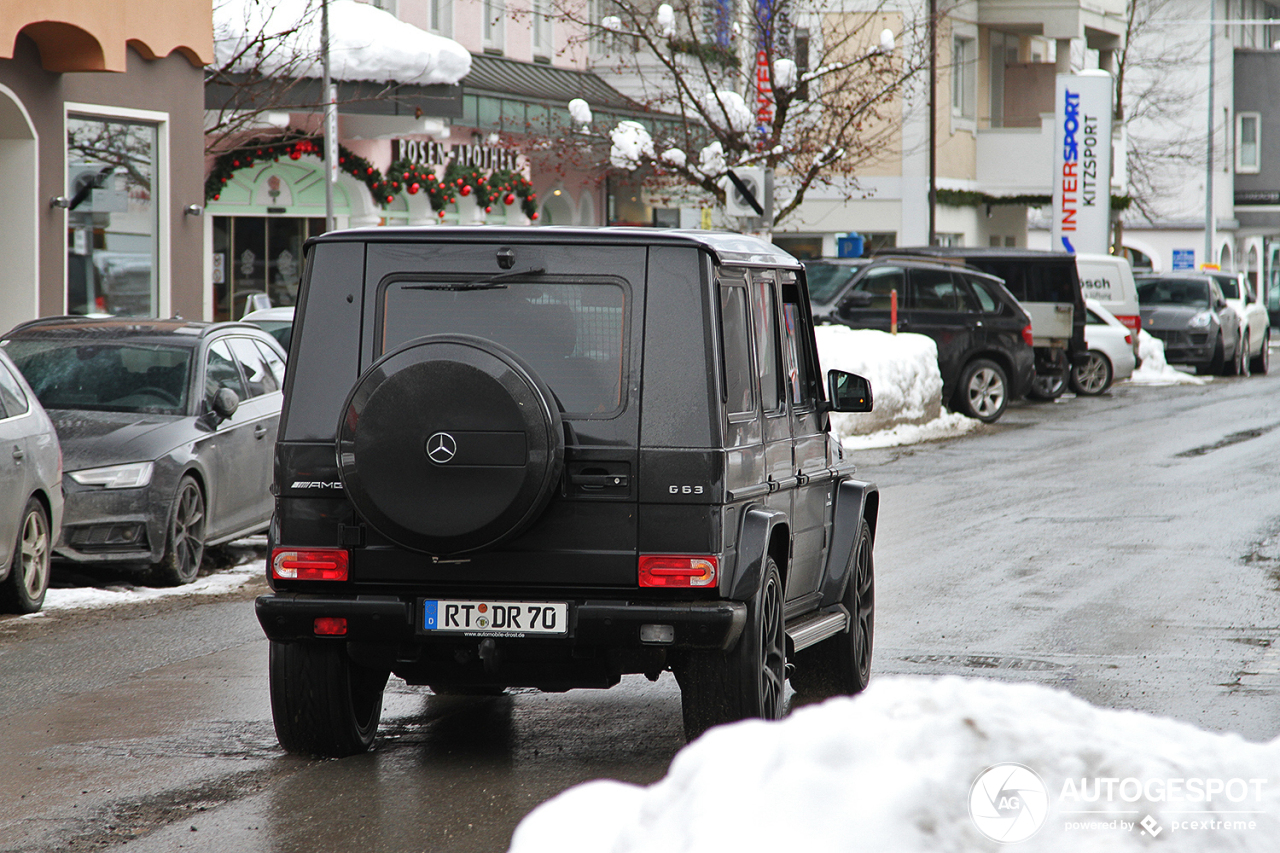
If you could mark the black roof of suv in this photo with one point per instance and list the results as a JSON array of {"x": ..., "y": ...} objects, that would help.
[{"x": 548, "y": 457}]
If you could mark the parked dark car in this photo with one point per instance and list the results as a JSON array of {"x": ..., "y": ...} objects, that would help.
[
  {"x": 983, "y": 335},
  {"x": 1047, "y": 286},
  {"x": 1189, "y": 313},
  {"x": 548, "y": 457},
  {"x": 167, "y": 429},
  {"x": 30, "y": 493}
]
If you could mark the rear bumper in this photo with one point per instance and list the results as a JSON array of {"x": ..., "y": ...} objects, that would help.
[{"x": 612, "y": 624}]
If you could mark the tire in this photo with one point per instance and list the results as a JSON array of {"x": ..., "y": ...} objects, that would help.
[
  {"x": 184, "y": 537},
  {"x": 750, "y": 680},
  {"x": 1094, "y": 376},
  {"x": 1242, "y": 361},
  {"x": 983, "y": 390},
  {"x": 1050, "y": 387},
  {"x": 322, "y": 703},
  {"x": 24, "y": 589},
  {"x": 1213, "y": 366},
  {"x": 841, "y": 665},
  {"x": 1232, "y": 366},
  {"x": 1261, "y": 363},
  {"x": 450, "y": 444}
]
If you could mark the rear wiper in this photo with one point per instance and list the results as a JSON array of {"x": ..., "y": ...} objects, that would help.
[{"x": 493, "y": 282}]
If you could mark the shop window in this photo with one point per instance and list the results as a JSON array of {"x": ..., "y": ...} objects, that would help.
[
  {"x": 113, "y": 223},
  {"x": 253, "y": 255}
]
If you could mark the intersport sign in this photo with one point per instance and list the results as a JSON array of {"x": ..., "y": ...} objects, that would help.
[{"x": 1082, "y": 162}]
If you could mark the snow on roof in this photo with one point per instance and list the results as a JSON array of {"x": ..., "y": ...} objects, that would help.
[{"x": 366, "y": 43}]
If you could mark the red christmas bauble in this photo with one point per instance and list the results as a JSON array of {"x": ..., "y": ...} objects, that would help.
[
  {"x": 533, "y": 215},
  {"x": 390, "y": 199},
  {"x": 413, "y": 189},
  {"x": 294, "y": 155},
  {"x": 466, "y": 190},
  {"x": 510, "y": 199},
  {"x": 488, "y": 209},
  {"x": 440, "y": 214}
]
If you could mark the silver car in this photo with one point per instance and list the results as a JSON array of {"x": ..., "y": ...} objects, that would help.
[{"x": 30, "y": 493}]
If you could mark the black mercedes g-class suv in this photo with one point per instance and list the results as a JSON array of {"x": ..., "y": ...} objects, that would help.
[{"x": 549, "y": 457}]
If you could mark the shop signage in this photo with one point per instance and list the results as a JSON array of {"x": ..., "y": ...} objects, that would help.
[
  {"x": 432, "y": 153},
  {"x": 1082, "y": 163},
  {"x": 1257, "y": 196}
]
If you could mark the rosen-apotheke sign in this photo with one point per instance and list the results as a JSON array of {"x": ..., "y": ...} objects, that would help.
[
  {"x": 1082, "y": 163},
  {"x": 432, "y": 153}
]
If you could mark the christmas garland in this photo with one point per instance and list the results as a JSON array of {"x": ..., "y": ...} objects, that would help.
[
  {"x": 403, "y": 175},
  {"x": 294, "y": 145}
]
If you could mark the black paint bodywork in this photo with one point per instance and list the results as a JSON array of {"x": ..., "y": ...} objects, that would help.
[{"x": 669, "y": 471}]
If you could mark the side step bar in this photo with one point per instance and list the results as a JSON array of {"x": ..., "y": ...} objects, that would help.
[{"x": 815, "y": 627}]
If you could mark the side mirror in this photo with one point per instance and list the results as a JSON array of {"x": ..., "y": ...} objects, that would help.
[
  {"x": 224, "y": 404},
  {"x": 858, "y": 300},
  {"x": 848, "y": 392}
]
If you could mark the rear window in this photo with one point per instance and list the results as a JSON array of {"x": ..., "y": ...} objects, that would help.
[
  {"x": 104, "y": 377},
  {"x": 572, "y": 334},
  {"x": 825, "y": 280},
  {"x": 1034, "y": 281}
]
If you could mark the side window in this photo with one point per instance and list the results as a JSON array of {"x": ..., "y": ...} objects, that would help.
[
  {"x": 878, "y": 282},
  {"x": 13, "y": 401},
  {"x": 736, "y": 337},
  {"x": 766, "y": 305},
  {"x": 987, "y": 298},
  {"x": 221, "y": 371},
  {"x": 274, "y": 362},
  {"x": 258, "y": 377},
  {"x": 933, "y": 290},
  {"x": 800, "y": 360}
]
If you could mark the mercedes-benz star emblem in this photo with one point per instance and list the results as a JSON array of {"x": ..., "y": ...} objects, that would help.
[{"x": 441, "y": 448}]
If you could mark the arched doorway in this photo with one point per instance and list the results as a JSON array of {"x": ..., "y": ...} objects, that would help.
[{"x": 20, "y": 273}]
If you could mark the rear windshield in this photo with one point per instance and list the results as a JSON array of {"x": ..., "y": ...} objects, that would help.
[
  {"x": 825, "y": 280},
  {"x": 1174, "y": 291},
  {"x": 571, "y": 334},
  {"x": 105, "y": 377},
  {"x": 1034, "y": 281}
]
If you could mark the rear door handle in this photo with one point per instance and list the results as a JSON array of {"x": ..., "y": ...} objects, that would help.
[
  {"x": 18, "y": 455},
  {"x": 259, "y": 431}
]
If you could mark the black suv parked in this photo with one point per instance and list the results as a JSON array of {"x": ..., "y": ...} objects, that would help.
[
  {"x": 550, "y": 457},
  {"x": 1047, "y": 286},
  {"x": 983, "y": 335}
]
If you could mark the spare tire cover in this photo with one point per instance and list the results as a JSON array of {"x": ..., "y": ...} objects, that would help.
[{"x": 450, "y": 444}]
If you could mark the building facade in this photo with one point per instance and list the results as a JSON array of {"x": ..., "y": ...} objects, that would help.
[{"x": 100, "y": 129}]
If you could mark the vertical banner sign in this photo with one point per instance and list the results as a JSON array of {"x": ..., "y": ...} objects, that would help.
[
  {"x": 764, "y": 87},
  {"x": 1082, "y": 163}
]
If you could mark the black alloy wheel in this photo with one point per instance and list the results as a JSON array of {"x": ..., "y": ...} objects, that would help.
[
  {"x": 24, "y": 589},
  {"x": 750, "y": 680},
  {"x": 323, "y": 703},
  {"x": 1094, "y": 376},
  {"x": 184, "y": 545},
  {"x": 841, "y": 665}
]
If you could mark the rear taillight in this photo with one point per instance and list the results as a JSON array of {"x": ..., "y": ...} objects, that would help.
[
  {"x": 316, "y": 564},
  {"x": 1026, "y": 335},
  {"x": 1131, "y": 321},
  {"x": 1128, "y": 339},
  {"x": 677, "y": 570}
]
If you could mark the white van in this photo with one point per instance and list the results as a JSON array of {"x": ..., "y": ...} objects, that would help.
[{"x": 1109, "y": 280}]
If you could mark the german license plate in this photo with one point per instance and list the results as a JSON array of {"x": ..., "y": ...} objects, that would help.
[{"x": 495, "y": 618}]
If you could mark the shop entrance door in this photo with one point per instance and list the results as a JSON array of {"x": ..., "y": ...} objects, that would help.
[{"x": 258, "y": 254}]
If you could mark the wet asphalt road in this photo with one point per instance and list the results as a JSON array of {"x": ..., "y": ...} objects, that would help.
[{"x": 1124, "y": 548}]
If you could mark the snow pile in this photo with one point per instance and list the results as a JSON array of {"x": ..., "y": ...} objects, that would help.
[
  {"x": 631, "y": 143},
  {"x": 906, "y": 386},
  {"x": 711, "y": 159},
  {"x": 893, "y": 771},
  {"x": 784, "y": 73},
  {"x": 91, "y": 597},
  {"x": 722, "y": 105},
  {"x": 666, "y": 21},
  {"x": 580, "y": 111},
  {"x": 1154, "y": 369},
  {"x": 674, "y": 157},
  {"x": 365, "y": 43}
]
